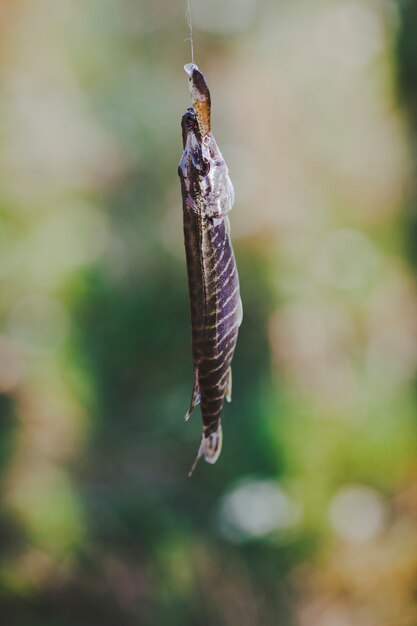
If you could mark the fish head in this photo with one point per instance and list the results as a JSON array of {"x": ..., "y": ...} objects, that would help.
[
  {"x": 193, "y": 165},
  {"x": 202, "y": 167}
]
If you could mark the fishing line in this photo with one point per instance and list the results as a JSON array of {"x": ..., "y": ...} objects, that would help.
[{"x": 190, "y": 38}]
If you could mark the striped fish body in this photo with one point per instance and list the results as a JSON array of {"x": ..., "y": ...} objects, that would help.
[{"x": 216, "y": 309}]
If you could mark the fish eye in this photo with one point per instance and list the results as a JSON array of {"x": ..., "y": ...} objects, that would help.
[{"x": 205, "y": 167}]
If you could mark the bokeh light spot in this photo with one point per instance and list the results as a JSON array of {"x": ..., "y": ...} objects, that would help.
[
  {"x": 256, "y": 508},
  {"x": 357, "y": 513}
]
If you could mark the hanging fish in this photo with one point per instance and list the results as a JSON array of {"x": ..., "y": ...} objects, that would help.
[{"x": 216, "y": 307}]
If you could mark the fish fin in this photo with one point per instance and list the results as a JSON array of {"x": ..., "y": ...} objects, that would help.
[
  {"x": 195, "y": 396},
  {"x": 240, "y": 312},
  {"x": 210, "y": 448},
  {"x": 228, "y": 393}
]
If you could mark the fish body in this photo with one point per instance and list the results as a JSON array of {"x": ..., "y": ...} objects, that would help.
[{"x": 216, "y": 307}]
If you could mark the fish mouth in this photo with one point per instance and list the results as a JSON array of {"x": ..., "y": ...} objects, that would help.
[
  {"x": 200, "y": 96},
  {"x": 190, "y": 127}
]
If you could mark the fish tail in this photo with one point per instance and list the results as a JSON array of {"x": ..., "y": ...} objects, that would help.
[{"x": 210, "y": 447}]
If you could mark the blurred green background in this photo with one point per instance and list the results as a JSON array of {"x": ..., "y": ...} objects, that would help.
[{"x": 310, "y": 516}]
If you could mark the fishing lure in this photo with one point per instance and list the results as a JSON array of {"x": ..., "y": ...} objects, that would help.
[{"x": 216, "y": 307}]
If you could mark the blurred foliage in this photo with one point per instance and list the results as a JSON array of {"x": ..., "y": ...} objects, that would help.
[{"x": 309, "y": 517}]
